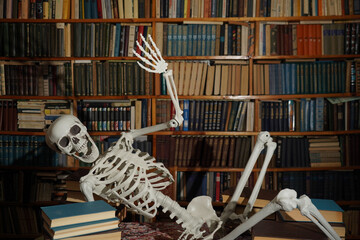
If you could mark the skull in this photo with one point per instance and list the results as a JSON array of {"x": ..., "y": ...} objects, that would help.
[{"x": 69, "y": 136}]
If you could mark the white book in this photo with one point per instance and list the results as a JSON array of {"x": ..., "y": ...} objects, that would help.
[{"x": 121, "y": 8}]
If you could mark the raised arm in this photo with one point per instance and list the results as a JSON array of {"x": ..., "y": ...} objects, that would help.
[{"x": 154, "y": 63}]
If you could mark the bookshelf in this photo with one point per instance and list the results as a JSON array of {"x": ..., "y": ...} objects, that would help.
[{"x": 246, "y": 66}]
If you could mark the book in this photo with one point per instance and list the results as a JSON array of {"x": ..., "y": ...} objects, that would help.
[
  {"x": 274, "y": 230},
  {"x": 264, "y": 197},
  {"x": 330, "y": 210},
  {"x": 78, "y": 229},
  {"x": 74, "y": 213},
  {"x": 105, "y": 235}
]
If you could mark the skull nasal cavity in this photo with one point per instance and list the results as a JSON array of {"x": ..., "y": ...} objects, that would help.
[{"x": 75, "y": 140}]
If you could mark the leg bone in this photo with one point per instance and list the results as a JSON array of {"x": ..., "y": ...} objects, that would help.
[{"x": 263, "y": 137}]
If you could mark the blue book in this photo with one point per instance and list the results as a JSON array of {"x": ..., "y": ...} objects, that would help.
[
  {"x": 293, "y": 81},
  {"x": 213, "y": 40},
  {"x": 94, "y": 11},
  {"x": 319, "y": 125},
  {"x": 312, "y": 115},
  {"x": 194, "y": 40},
  {"x": 189, "y": 39},
  {"x": 179, "y": 38},
  {"x": 175, "y": 38},
  {"x": 65, "y": 214},
  {"x": 117, "y": 40},
  {"x": 79, "y": 229},
  {"x": 186, "y": 115},
  {"x": 170, "y": 40},
  {"x": 87, "y": 6}
]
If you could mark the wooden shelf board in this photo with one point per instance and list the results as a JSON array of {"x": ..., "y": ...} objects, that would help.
[
  {"x": 203, "y": 133},
  {"x": 295, "y": 169},
  {"x": 235, "y": 97},
  {"x": 179, "y": 20}
]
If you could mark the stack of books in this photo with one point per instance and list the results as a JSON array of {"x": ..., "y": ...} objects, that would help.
[
  {"x": 54, "y": 109},
  {"x": 328, "y": 208},
  {"x": 31, "y": 115},
  {"x": 288, "y": 225},
  {"x": 85, "y": 220},
  {"x": 324, "y": 151}
]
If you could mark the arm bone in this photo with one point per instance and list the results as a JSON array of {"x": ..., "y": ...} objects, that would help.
[{"x": 176, "y": 121}]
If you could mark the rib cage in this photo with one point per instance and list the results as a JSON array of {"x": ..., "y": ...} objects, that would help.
[{"x": 128, "y": 175}]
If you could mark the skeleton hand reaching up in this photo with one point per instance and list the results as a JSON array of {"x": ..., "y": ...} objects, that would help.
[{"x": 154, "y": 59}]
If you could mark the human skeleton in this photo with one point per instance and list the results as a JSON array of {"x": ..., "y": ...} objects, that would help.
[{"x": 134, "y": 178}]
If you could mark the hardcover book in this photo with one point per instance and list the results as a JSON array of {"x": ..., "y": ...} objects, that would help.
[{"x": 65, "y": 214}]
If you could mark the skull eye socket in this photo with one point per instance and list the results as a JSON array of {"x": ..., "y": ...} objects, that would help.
[
  {"x": 75, "y": 130},
  {"x": 64, "y": 142}
]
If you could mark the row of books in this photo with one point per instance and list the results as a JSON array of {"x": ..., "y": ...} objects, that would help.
[
  {"x": 210, "y": 184},
  {"x": 287, "y": 8},
  {"x": 209, "y": 78},
  {"x": 122, "y": 115},
  {"x": 74, "y": 9},
  {"x": 143, "y": 143},
  {"x": 204, "y": 151},
  {"x": 320, "y": 184},
  {"x": 38, "y": 115},
  {"x": 8, "y": 113},
  {"x": 36, "y": 79},
  {"x": 325, "y": 152},
  {"x": 95, "y": 78},
  {"x": 355, "y": 76},
  {"x": 207, "y": 39},
  {"x": 308, "y": 39},
  {"x": 207, "y": 8},
  {"x": 111, "y": 78},
  {"x": 351, "y": 218},
  {"x": 24, "y": 150},
  {"x": 107, "y": 39},
  {"x": 303, "y": 115},
  {"x": 312, "y": 151},
  {"x": 351, "y": 143},
  {"x": 34, "y": 39},
  {"x": 259, "y": 8},
  {"x": 19, "y": 220},
  {"x": 29, "y": 186},
  {"x": 71, "y": 39},
  {"x": 302, "y": 78},
  {"x": 209, "y": 115}
]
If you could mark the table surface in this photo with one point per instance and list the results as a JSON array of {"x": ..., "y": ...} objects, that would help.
[{"x": 159, "y": 231}]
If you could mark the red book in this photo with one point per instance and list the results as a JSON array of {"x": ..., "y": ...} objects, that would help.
[
  {"x": 99, "y": 9},
  {"x": 217, "y": 185},
  {"x": 306, "y": 39},
  {"x": 311, "y": 39},
  {"x": 172, "y": 115},
  {"x": 300, "y": 39},
  {"x": 139, "y": 39},
  {"x": 318, "y": 39}
]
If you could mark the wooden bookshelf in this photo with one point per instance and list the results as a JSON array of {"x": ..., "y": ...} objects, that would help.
[{"x": 252, "y": 60}]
